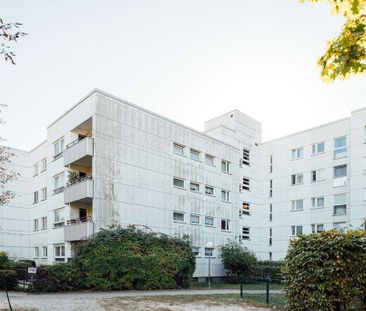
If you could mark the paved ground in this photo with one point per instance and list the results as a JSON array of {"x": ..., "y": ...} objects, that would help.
[{"x": 96, "y": 301}]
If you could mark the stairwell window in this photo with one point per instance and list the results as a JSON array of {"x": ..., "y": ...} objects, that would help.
[
  {"x": 58, "y": 147},
  {"x": 246, "y": 157},
  {"x": 225, "y": 166},
  {"x": 340, "y": 146},
  {"x": 297, "y": 153},
  {"x": 225, "y": 196},
  {"x": 297, "y": 179},
  {"x": 178, "y": 149}
]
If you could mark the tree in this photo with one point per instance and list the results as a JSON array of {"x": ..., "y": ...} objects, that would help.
[
  {"x": 6, "y": 175},
  {"x": 9, "y": 33},
  {"x": 237, "y": 260},
  {"x": 346, "y": 54}
]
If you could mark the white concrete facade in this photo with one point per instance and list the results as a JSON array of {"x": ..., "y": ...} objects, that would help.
[{"x": 107, "y": 162}]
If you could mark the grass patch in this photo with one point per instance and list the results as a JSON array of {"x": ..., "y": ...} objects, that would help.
[{"x": 217, "y": 285}]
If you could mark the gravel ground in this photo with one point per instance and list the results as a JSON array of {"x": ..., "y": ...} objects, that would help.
[{"x": 113, "y": 301}]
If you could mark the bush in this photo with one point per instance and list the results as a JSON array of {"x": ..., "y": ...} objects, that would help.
[
  {"x": 58, "y": 277},
  {"x": 326, "y": 271},
  {"x": 237, "y": 260},
  {"x": 133, "y": 259},
  {"x": 8, "y": 279},
  {"x": 5, "y": 262}
]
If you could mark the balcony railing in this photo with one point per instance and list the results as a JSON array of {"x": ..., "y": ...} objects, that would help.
[
  {"x": 82, "y": 191},
  {"x": 340, "y": 181},
  {"x": 79, "y": 229},
  {"x": 79, "y": 152}
]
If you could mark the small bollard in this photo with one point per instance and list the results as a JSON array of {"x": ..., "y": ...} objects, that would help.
[
  {"x": 268, "y": 279},
  {"x": 241, "y": 287}
]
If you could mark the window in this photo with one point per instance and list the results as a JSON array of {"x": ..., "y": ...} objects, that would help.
[
  {"x": 209, "y": 190},
  {"x": 297, "y": 179},
  {"x": 195, "y": 219},
  {"x": 224, "y": 225},
  {"x": 245, "y": 209},
  {"x": 270, "y": 213},
  {"x": 179, "y": 183},
  {"x": 271, "y": 188},
  {"x": 178, "y": 216},
  {"x": 270, "y": 164},
  {"x": 297, "y": 205},
  {"x": 245, "y": 233},
  {"x": 270, "y": 237},
  {"x": 209, "y": 221},
  {"x": 36, "y": 252},
  {"x": 225, "y": 166},
  {"x": 43, "y": 165},
  {"x": 297, "y": 153},
  {"x": 225, "y": 196},
  {"x": 318, "y": 148},
  {"x": 194, "y": 187},
  {"x": 209, "y": 159},
  {"x": 195, "y": 155},
  {"x": 178, "y": 149},
  {"x": 246, "y": 157},
  {"x": 317, "y": 175},
  {"x": 340, "y": 146},
  {"x": 35, "y": 197},
  {"x": 340, "y": 171},
  {"x": 316, "y": 228},
  {"x": 59, "y": 250},
  {"x": 246, "y": 183},
  {"x": 340, "y": 225},
  {"x": 270, "y": 256},
  {"x": 35, "y": 169},
  {"x": 44, "y": 222},
  {"x": 340, "y": 206},
  {"x": 317, "y": 202},
  {"x": 196, "y": 250},
  {"x": 35, "y": 225},
  {"x": 295, "y": 230},
  {"x": 44, "y": 252},
  {"x": 58, "y": 147},
  {"x": 59, "y": 217},
  {"x": 44, "y": 194},
  {"x": 58, "y": 183},
  {"x": 208, "y": 251}
]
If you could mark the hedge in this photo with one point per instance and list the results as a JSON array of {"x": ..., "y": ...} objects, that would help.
[
  {"x": 122, "y": 258},
  {"x": 326, "y": 271},
  {"x": 8, "y": 279}
]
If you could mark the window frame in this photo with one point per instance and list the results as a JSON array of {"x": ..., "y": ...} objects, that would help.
[
  {"x": 225, "y": 166},
  {"x": 194, "y": 154},
  {"x": 175, "y": 146},
  {"x": 58, "y": 147},
  {"x": 194, "y": 186},
  {"x": 225, "y": 225},
  {"x": 297, "y": 153},
  {"x": 192, "y": 216},
  {"x": 340, "y": 151},
  {"x": 178, "y": 179},
  {"x": 175, "y": 213},
  {"x": 225, "y": 196},
  {"x": 294, "y": 205},
  {"x": 209, "y": 224},
  {"x": 315, "y": 148},
  {"x": 212, "y": 159}
]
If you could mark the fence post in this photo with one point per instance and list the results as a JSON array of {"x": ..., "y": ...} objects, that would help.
[
  {"x": 267, "y": 289},
  {"x": 7, "y": 296},
  {"x": 241, "y": 287}
]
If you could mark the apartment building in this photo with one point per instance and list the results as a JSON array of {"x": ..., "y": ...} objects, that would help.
[{"x": 107, "y": 161}]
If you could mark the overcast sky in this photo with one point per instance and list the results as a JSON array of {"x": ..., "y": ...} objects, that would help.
[{"x": 189, "y": 60}]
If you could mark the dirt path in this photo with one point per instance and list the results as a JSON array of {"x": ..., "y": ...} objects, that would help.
[{"x": 125, "y": 300}]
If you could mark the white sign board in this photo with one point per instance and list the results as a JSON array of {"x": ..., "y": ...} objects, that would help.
[{"x": 32, "y": 270}]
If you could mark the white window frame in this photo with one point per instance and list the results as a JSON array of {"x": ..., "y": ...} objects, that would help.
[
  {"x": 58, "y": 147},
  {"x": 225, "y": 196},
  {"x": 299, "y": 179},
  {"x": 245, "y": 209},
  {"x": 44, "y": 194},
  {"x": 59, "y": 182},
  {"x": 209, "y": 251},
  {"x": 225, "y": 225},
  {"x": 342, "y": 166},
  {"x": 43, "y": 165},
  {"x": 35, "y": 224},
  {"x": 44, "y": 222},
  {"x": 296, "y": 230},
  {"x": 175, "y": 179},
  {"x": 59, "y": 217},
  {"x": 246, "y": 183},
  {"x": 209, "y": 190},
  {"x": 297, "y": 205},
  {"x": 196, "y": 251},
  {"x": 35, "y": 169},
  {"x": 245, "y": 233},
  {"x": 210, "y": 223},
  {"x": 44, "y": 251},
  {"x": 178, "y": 149},
  {"x": 315, "y": 148},
  {"x": 194, "y": 186},
  {"x": 59, "y": 250},
  {"x": 340, "y": 151},
  {"x": 194, "y": 219},
  {"x": 319, "y": 175},
  {"x": 297, "y": 153},
  {"x": 194, "y": 154},
  {"x": 246, "y": 157},
  {"x": 225, "y": 166},
  {"x": 35, "y": 197},
  {"x": 317, "y": 228},
  {"x": 36, "y": 252},
  {"x": 339, "y": 205},
  {"x": 209, "y": 159},
  {"x": 175, "y": 214},
  {"x": 315, "y": 202}
]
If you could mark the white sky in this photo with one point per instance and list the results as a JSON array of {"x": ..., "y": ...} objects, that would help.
[{"x": 189, "y": 60}]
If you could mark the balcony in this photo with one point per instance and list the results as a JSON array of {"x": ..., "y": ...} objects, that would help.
[
  {"x": 79, "y": 229},
  {"x": 79, "y": 152},
  {"x": 340, "y": 182},
  {"x": 81, "y": 191}
]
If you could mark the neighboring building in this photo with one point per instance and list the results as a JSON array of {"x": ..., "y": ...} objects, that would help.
[{"x": 107, "y": 161}]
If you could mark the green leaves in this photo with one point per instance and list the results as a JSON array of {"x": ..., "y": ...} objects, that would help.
[{"x": 326, "y": 271}]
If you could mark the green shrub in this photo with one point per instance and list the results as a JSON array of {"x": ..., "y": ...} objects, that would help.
[
  {"x": 58, "y": 277},
  {"x": 326, "y": 271},
  {"x": 132, "y": 259},
  {"x": 238, "y": 261},
  {"x": 5, "y": 262},
  {"x": 8, "y": 279}
]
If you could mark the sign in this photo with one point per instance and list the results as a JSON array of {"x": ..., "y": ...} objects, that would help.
[{"x": 32, "y": 270}]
